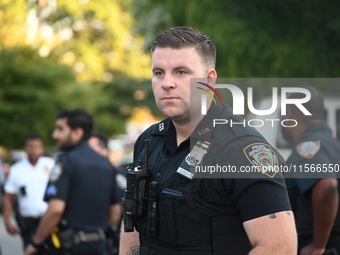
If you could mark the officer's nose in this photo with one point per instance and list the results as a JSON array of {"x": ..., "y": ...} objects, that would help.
[
  {"x": 54, "y": 135},
  {"x": 168, "y": 82}
]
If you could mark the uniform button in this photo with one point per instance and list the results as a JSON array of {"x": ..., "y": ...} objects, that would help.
[
  {"x": 153, "y": 253},
  {"x": 158, "y": 175}
]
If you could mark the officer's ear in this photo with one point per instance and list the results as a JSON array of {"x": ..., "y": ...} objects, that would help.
[
  {"x": 77, "y": 134},
  {"x": 211, "y": 76}
]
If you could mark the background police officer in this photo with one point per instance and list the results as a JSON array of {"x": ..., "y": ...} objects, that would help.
[
  {"x": 313, "y": 188},
  {"x": 99, "y": 142},
  {"x": 82, "y": 190},
  {"x": 249, "y": 214}
]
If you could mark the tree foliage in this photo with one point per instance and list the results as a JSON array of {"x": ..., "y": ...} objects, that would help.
[
  {"x": 257, "y": 38},
  {"x": 77, "y": 54},
  {"x": 28, "y": 100},
  {"x": 88, "y": 54}
]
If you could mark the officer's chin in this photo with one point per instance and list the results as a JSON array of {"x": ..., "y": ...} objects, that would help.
[{"x": 65, "y": 147}]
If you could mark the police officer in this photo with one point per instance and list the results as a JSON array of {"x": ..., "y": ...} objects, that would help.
[
  {"x": 99, "y": 142},
  {"x": 81, "y": 193},
  {"x": 313, "y": 187},
  {"x": 27, "y": 182},
  {"x": 199, "y": 215}
]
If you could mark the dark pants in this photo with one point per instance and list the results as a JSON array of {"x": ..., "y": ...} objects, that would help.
[
  {"x": 91, "y": 248},
  {"x": 28, "y": 226},
  {"x": 27, "y": 230}
]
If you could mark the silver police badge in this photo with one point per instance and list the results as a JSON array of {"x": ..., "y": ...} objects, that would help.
[
  {"x": 263, "y": 158},
  {"x": 196, "y": 155}
]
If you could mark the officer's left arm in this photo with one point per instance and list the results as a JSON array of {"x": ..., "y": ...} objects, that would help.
[
  {"x": 49, "y": 221},
  {"x": 272, "y": 234}
]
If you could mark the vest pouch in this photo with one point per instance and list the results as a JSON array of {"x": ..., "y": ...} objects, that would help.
[
  {"x": 179, "y": 224},
  {"x": 67, "y": 238},
  {"x": 229, "y": 236}
]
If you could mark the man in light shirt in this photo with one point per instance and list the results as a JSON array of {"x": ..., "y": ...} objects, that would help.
[{"x": 27, "y": 182}]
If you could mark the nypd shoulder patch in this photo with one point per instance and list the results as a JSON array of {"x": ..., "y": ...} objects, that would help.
[
  {"x": 308, "y": 149},
  {"x": 263, "y": 157},
  {"x": 56, "y": 172}
]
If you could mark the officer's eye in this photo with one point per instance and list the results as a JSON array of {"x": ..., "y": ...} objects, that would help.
[
  {"x": 158, "y": 73},
  {"x": 181, "y": 72}
]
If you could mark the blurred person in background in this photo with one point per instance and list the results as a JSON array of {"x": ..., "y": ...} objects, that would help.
[
  {"x": 314, "y": 194},
  {"x": 81, "y": 193},
  {"x": 99, "y": 142},
  {"x": 26, "y": 184}
]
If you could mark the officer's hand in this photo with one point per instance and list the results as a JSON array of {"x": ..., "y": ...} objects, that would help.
[
  {"x": 30, "y": 250},
  {"x": 310, "y": 249},
  {"x": 11, "y": 229}
]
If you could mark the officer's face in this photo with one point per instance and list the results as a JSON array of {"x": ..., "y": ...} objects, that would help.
[
  {"x": 287, "y": 132},
  {"x": 95, "y": 145},
  {"x": 34, "y": 149},
  {"x": 63, "y": 135},
  {"x": 171, "y": 73}
]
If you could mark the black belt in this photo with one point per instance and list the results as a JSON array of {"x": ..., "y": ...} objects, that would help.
[
  {"x": 87, "y": 237},
  {"x": 31, "y": 222}
]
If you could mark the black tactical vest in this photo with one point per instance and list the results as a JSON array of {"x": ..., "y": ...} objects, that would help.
[{"x": 187, "y": 224}]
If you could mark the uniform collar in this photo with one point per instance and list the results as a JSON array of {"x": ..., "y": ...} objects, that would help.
[
  {"x": 81, "y": 143},
  {"x": 204, "y": 129},
  {"x": 162, "y": 128},
  {"x": 317, "y": 127}
]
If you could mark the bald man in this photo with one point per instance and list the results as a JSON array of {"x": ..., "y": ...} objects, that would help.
[{"x": 313, "y": 185}]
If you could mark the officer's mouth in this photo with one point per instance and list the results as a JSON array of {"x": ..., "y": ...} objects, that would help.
[{"x": 169, "y": 98}]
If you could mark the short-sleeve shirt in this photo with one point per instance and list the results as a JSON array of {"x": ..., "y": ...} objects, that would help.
[
  {"x": 318, "y": 152},
  {"x": 29, "y": 183},
  {"x": 251, "y": 197},
  {"x": 86, "y": 181}
]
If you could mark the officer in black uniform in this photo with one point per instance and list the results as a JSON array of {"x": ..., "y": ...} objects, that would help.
[
  {"x": 313, "y": 187},
  {"x": 82, "y": 191},
  {"x": 99, "y": 142},
  {"x": 198, "y": 212}
]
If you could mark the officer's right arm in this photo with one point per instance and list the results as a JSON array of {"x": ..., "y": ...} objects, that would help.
[
  {"x": 7, "y": 211},
  {"x": 272, "y": 234},
  {"x": 129, "y": 242},
  {"x": 325, "y": 206},
  {"x": 10, "y": 189}
]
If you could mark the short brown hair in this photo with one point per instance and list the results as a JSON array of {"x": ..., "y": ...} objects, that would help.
[{"x": 182, "y": 37}]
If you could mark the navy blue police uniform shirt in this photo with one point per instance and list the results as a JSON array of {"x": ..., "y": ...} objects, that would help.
[
  {"x": 316, "y": 155},
  {"x": 251, "y": 197},
  {"x": 86, "y": 182}
]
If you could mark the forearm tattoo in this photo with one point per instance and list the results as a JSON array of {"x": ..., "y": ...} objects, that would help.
[{"x": 133, "y": 251}]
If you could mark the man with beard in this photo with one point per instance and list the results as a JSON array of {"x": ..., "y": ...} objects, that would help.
[{"x": 81, "y": 194}]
